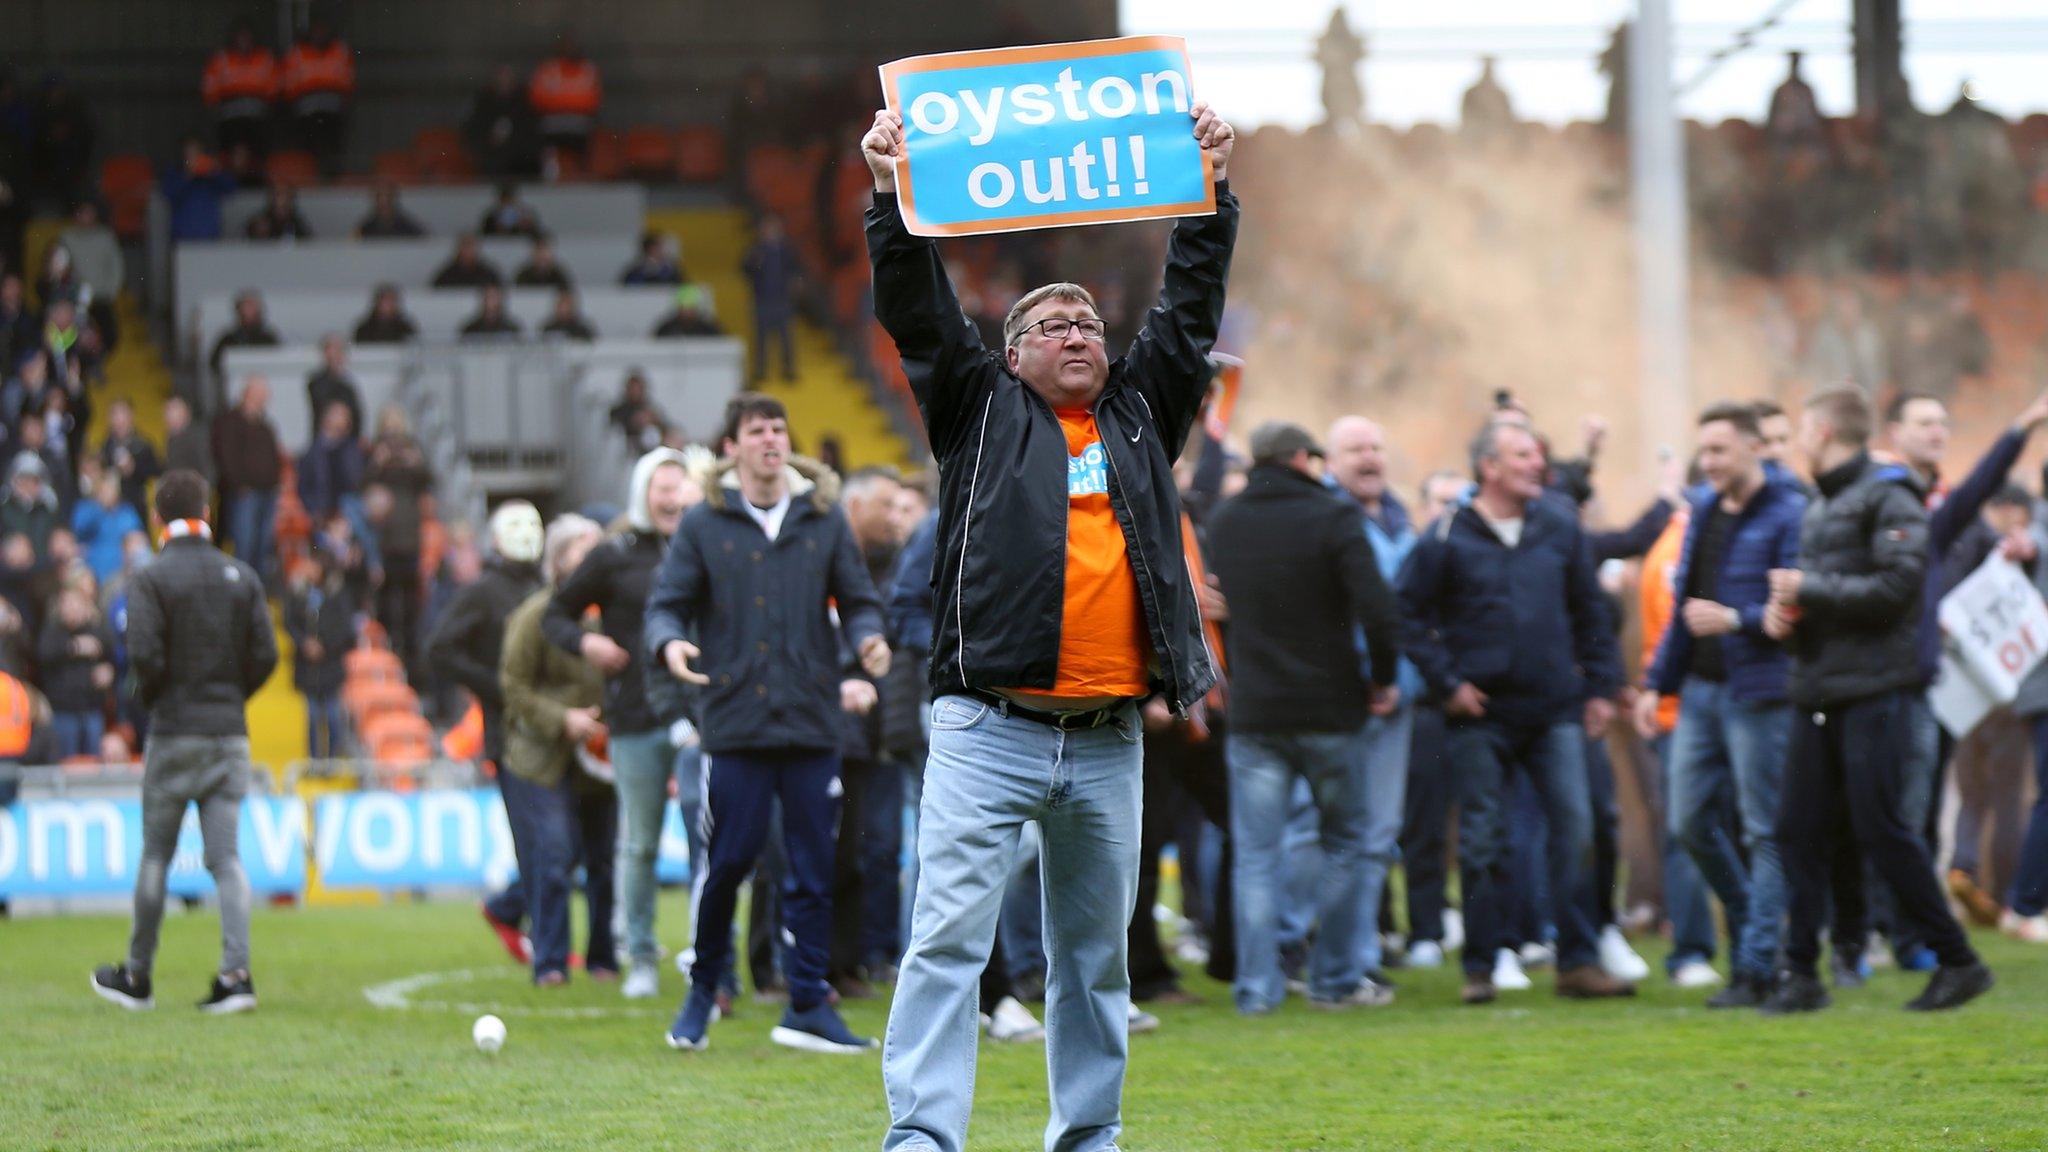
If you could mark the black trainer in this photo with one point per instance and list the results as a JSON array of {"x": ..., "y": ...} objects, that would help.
[
  {"x": 1953, "y": 988},
  {"x": 1796, "y": 992},
  {"x": 1744, "y": 991},
  {"x": 229, "y": 995},
  {"x": 116, "y": 985}
]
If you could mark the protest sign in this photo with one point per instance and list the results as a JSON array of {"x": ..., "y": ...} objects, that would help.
[
  {"x": 1994, "y": 631},
  {"x": 1016, "y": 138}
]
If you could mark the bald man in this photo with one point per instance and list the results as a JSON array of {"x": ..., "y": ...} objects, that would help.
[{"x": 1357, "y": 467}]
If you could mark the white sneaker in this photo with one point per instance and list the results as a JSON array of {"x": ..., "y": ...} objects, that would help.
[
  {"x": 1191, "y": 950},
  {"x": 1620, "y": 960},
  {"x": 642, "y": 983},
  {"x": 1426, "y": 954},
  {"x": 1695, "y": 974},
  {"x": 1140, "y": 1021},
  {"x": 2025, "y": 929},
  {"x": 1013, "y": 1023},
  {"x": 1368, "y": 994},
  {"x": 1454, "y": 930},
  {"x": 1507, "y": 972},
  {"x": 1538, "y": 956}
]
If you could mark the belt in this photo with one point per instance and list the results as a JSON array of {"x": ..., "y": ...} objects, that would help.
[{"x": 1064, "y": 721}]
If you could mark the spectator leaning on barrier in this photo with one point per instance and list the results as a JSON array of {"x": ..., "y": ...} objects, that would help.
[
  {"x": 542, "y": 269},
  {"x": 654, "y": 264},
  {"x": 692, "y": 315},
  {"x": 491, "y": 321},
  {"x": 386, "y": 322},
  {"x": 466, "y": 266},
  {"x": 250, "y": 330},
  {"x": 200, "y": 644},
  {"x": 333, "y": 383},
  {"x": 386, "y": 219},
  {"x": 566, "y": 321},
  {"x": 280, "y": 218}
]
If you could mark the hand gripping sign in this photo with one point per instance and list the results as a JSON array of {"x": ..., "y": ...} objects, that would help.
[
  {"x": 1994, "y": 631},
  {"x": 1017, "y": 138}
]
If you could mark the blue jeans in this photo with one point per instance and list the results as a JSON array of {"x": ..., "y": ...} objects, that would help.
[
  {"x": 358, "y": 517},
  {"x": 326, "y": 727},
  {"x": 1022, "y": 923},
  {"x": 250, "y": 518},
  {"x": 1721, "y": 740},
  {"x": 1554, "y": 760},
  {"x": 555, "y": 829},
  {"x": 1263, "y": 769},
  {"x": 1387, "y": 741},
  {"x": 988, "y": 774},
  {"x": 743, "y": 791},
  {"x": 1685, "y": 893},
  {"x": 642, "y": 763},
  {"x": 2030, "y": 883},
  {"x": 78, "y": 733}
]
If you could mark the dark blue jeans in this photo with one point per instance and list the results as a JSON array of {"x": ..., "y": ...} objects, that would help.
[
  {"x": 1857, "y": 758},
  {"x": 1425, "y": 825},
  {"x": 2030, "y": 883},
  {"x": 1486, "y": 755},
  {"x": 78, "y": 733},
  {"x": 326, "y": 727},
  {"x": 1685, "y": 893},
  {"x": 1721, "y": 745},
  {"x": 251, "y": 516},
  {"x": 743, "y": 791},
  {"x": 562, "y": 826}
]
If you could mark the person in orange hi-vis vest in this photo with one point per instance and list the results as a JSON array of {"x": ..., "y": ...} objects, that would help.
[
  {"x": 1685, "y": 893},
  {"x": 240, "y": 88},
  {"x": 319, "y": 87},
  {"x": 565, "y": 93}
]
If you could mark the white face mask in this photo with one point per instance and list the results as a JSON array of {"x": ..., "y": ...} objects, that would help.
[{"x": 517, "y": 532}]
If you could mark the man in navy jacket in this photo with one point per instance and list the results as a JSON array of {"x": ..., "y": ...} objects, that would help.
[
  {"x": 1733, "y": 722},
  {"x": 1506, "y": 626},
  {"x": 750, "y": 574}
]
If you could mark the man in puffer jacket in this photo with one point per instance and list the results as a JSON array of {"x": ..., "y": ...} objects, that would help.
[{"x": 1850, "y": 614}]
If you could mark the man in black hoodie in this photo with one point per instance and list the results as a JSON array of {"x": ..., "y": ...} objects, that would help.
[
  {"x": 199, "y": 645},
  {"x": 465, "y": 647},
  {"x": 615, "y": 579},
  {"x": 1301, "y": 580}
]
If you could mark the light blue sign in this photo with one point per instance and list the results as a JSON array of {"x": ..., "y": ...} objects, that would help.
[
  {"x": 444, "y": 837},
  {"x": 1040, "y": 137},
  {"x": 61, "y": 849}
]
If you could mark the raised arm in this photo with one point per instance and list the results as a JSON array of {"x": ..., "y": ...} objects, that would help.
[
  {"x": 947, "y": 364},
  {"x": 1168, "y": 361}
]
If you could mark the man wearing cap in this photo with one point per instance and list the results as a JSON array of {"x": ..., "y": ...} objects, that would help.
[
  {"x": 1301, "y": 580},
  {"x": 1504, "y": 621},
  {"x": 1064, "y": 599}
]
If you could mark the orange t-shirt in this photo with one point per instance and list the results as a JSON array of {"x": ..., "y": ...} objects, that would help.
[{"x": 1104, "y": 649}]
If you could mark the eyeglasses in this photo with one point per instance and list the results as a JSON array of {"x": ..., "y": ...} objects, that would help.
[{"x": 1059, "y": 328}]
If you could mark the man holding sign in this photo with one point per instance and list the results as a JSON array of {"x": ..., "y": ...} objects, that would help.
[{"x": 1064, "y": 600}]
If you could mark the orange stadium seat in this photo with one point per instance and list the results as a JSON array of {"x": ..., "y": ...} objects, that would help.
[
  {"x": 125, "y": 182},
  {"x": 649, "y": 153},
  {"x": 372, "y": 664},
  {"x": 440, "y": 155},
  {"x": 297, "y": 169},
  {"x": 398, "y": 167},
  {"x": 605, "y": 159},
  {"x": 700, "y": 154}
]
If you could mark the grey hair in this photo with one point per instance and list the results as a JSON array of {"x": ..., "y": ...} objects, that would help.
[
  {"x": 1013, "y": 324},
  {"x": 1486, "y": 445},
  {"x": 567, "y": 529}
]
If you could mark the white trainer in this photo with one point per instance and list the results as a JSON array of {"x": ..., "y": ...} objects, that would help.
[
  {"x": 1619, "y": 959},
  {"x": 1013, "y": 1023},
  {"x": 1538, "y": 956},
  {"x": 1141, "y": 1021},
  {"x": 642, "y": 983},
  {"x": 1695, "y": 974},
  {"x": 2025, "y": 929},
  {"x": 1425, "y": 954},
  {"x": 1507, "y": 972},
  {"x": 1454, "y": 930}
]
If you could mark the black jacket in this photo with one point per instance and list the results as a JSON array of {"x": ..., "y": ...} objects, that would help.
[
  {"x": 860, "y": 737},
  {"x": 1526, "y": 625},
  {"x": 467, "y": 643},
  {"x": 1003, "y": 462},
  {"x": 65, "y": 674},
  {"x": 1301, "y": 579},
  {"x": 316, "y": 613},
  {"x": 1863, "y": 550},
  {"x": 199, "y": 639},
  {"x": 615, "y": 577},
  {"x": 758, "y": 611}
]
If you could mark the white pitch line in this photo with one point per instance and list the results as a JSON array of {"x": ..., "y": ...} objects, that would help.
[{"x": 399, "y": 996}]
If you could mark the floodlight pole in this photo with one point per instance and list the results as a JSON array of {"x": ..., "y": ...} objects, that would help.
[{"x": 1657, "y": 178}]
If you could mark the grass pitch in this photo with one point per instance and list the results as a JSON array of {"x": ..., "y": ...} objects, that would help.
[{"x": 322, "y": 1067}]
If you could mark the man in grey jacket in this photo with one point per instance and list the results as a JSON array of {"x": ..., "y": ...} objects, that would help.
[{"x": 200, "y": 644}]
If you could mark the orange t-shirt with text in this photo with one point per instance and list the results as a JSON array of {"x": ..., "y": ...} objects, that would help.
[{"x": 1104, "y": 650}]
